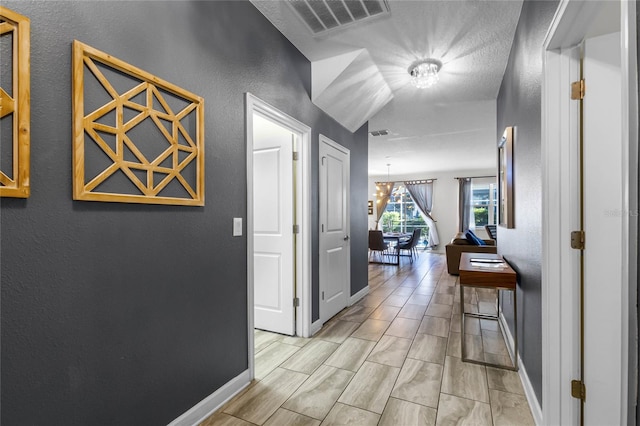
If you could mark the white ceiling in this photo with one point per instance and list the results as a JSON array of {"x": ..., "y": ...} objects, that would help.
[{"x": 450, "y": 126}]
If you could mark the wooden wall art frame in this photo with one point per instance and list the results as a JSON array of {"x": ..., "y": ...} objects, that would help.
[
  {"x": 505, "y": 179},
  {"x": 158, "y": 172},
  {"x": 18, "y": 104}
]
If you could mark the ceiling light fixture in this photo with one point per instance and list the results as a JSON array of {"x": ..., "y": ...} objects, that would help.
[
  {"x": 383, "y": 132},
  {"x": 424, "y": 73}
]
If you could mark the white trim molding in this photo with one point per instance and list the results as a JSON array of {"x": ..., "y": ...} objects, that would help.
[
  {"x": 359, "y": 295},
  {"x": 560, "y": 264},
  {"x": 210, "y": 404},
  {"x": 629, "y": 68},
  {"x": 534, "y": 405},
  {"x": 303, "y": 214},
  {"x": 316, "y": 326},
  {"x": 530, "y": 394}
]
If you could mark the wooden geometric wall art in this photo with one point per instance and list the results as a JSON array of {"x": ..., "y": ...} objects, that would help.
[
  {"x": 14, "y": 104},
  {"x": 137, "y": 138}
]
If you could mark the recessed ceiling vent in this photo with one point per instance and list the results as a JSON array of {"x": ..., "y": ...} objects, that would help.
[
  {"x": 379, "y": 132},
  {"x": 323, "y": 16}
]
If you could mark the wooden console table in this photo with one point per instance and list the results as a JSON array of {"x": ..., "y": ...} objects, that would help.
[{"x": 489, "y": 271}]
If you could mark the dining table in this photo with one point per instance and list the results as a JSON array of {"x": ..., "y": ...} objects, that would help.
[{"x": 397, "y": 237}]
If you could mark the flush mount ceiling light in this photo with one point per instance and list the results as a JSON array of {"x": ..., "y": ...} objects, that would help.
[{"x": 424, "y": 73}]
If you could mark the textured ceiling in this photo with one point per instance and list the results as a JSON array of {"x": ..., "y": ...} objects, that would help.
[{"x": 431, "y": 129}]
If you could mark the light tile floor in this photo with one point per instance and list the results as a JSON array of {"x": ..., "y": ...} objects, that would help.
[{"x": 391, "y": 359}]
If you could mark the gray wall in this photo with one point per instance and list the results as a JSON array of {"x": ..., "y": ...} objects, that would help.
[
  {"x": 519, "y": 105},
  {"x": 130, "y": 314}
]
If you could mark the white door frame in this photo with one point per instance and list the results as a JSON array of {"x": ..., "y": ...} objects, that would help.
[
  {"x": 560, "y": 272},
  {"x": 347, "y": 289},
  {"x": 303, "y": 215}
]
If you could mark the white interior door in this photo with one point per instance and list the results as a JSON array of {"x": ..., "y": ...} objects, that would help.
[
  {"x": 273, "y": 216},
  {"x": 335, "y": 253},
  {"x": 603, "y": 214}
]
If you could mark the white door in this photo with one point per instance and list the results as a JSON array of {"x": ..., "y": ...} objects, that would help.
[
  {"x": 335, "y": 252},
  {"x": 273, "y": 239},
  {"x": 603, "y": 201}
]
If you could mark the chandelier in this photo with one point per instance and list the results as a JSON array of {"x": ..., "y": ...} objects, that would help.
[{"x": 424, "y": 73}]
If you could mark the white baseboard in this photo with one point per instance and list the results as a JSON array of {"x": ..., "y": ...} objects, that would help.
[
  {"x": 315, "y": 327},
  {"x": 207, "y": 406},
  {"x": 536, "y": 409},
  {"x": 534, "y": 404},
  {"x": 359, "y": 295}
]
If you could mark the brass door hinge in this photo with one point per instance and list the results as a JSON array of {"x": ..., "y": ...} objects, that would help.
[
  {"x": 296, "y": 229},
  {"x": 577, "y": 90},
  {"x": 295, "y": 155},
  {"x": 296, "y": 302},
  {"x": 577, "y": 240},
  {"x": 578, "y": 390}
]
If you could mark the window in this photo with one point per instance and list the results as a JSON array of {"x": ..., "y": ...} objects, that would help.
[
  {"x": 484, "y": 206},
  {"x": 402, "y": 215}
]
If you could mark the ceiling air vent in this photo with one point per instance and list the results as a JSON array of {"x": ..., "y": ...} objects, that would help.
[
  {"x": 379, "y": 132},
  {"x": 322, "y": 16}
]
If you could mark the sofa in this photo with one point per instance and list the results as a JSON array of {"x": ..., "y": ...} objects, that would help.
[{"x": 459, "y": 244}]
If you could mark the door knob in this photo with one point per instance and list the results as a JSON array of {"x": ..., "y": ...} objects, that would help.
[{"x": 346, "y": 238}]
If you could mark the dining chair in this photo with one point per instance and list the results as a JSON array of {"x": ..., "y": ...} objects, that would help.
[
  {"x": 410, "y": 244},
  {"x": 377, "y": 244}
]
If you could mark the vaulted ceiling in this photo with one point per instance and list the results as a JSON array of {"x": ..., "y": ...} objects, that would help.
[{"x": 360, "y": 73}]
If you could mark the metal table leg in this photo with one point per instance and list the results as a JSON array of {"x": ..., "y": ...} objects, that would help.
[{"x": 513, "y": 353}]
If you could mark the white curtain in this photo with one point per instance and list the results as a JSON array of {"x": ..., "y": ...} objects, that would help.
[
  {"x": 422, "y": 194},
  {"x": 464, "y": 204}
]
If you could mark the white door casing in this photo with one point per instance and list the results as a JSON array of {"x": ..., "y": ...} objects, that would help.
[
  {"x": 560, "y": 263},
  {"x": 335, "y": 253},
  {"x": 303, "y": 217},
  {"x": 273, "y": 238}
]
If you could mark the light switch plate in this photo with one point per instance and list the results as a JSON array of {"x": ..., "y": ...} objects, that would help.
[{"x": 237, "y": 226}]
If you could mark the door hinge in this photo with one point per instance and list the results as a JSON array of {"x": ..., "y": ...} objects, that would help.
[
  {"x": 577, "y": 240},
  {"x": 296, "y": 302},
  {"x": 323, "y": 295},
  {"x": 578, "y": 390},
  {"x": 295, "y": 155},
  {"x": 577, "y": 90},
  {"x": 296, "y": 229}
]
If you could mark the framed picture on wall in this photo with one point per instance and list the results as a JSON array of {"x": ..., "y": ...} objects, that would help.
[
  {"x": 143, "y": 143},
  {"x": 15, "y": 101},
  {"x": 505, "y": 179}
]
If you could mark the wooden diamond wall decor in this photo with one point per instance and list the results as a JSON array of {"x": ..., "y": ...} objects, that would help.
[
  {"x": 14, "y": 105},
  {"x": 137, "y": 138}
]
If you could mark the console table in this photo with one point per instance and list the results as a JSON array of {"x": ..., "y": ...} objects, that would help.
[{"x": 488, "y": 270}]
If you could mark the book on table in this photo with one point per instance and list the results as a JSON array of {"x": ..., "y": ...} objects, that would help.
[
  {"x": 485, "y": 265},
  {"x": 485, "y": 260}
]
